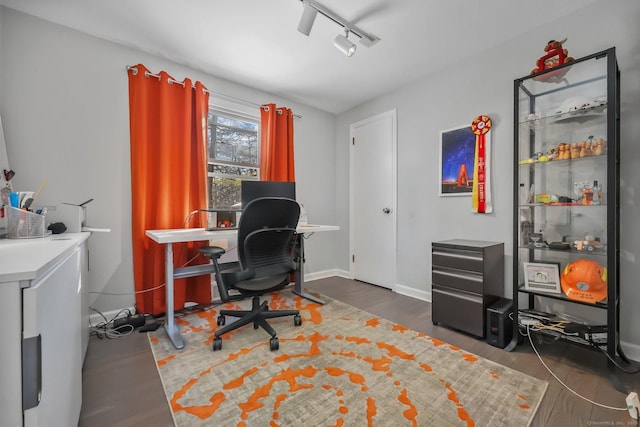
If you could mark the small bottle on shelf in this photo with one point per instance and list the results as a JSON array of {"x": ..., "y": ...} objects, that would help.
[{"x": 597, "y": 194}]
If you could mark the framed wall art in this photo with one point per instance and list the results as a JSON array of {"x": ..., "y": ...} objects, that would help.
[{"x": 457, "y": 150}]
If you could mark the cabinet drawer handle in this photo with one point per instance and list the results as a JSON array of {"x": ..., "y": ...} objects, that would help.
[
  {"x": 458, "y": 276},
  {"x": 470, "y": 298},
  {"x": 31, "y": 371},
  {"x": 460, "y": 256}
]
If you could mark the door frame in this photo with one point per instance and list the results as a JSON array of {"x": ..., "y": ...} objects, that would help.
[{"x": 393, "y": 114}]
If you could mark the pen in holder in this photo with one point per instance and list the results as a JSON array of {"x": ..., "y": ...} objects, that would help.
[{"x": 14, "y": 199}]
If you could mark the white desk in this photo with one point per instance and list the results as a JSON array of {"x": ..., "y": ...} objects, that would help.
[{"x": 170, "y": 236}]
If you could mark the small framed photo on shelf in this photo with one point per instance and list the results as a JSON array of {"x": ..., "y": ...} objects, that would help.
[{"x": 542, "y": 277}]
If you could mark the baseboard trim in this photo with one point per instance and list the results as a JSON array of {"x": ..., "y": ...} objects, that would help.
[
  {"x": 632, "y": 351},
  {"x": 309, "y": 277},
  {"x": 413, "y": 292}
]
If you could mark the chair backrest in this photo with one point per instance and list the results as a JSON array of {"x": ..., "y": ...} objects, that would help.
[{"x": 265, "y": 235}]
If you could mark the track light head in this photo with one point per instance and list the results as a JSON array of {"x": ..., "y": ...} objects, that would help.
[
  {"x": 344, "y": 44},
  {"x": 308, "y": 18}
]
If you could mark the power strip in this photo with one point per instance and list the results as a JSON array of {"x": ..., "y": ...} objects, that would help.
[
  {"x": 633, "y": 405},
  {"x": 136, "y": 321},
  {"x": 528, "y": 321}
]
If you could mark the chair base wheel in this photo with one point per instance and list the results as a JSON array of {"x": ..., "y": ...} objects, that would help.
[
  {"x": 297, "y": 320},
  {"x": 221, "y": 320},
  {"x": 274, "y": 344},
  {"x": 217, "y": 344}
]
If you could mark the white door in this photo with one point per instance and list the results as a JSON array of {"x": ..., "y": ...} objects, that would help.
[{"x": 373, "y": 199}]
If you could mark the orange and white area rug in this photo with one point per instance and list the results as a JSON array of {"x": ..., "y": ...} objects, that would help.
[{"x": 342, "y": 367}]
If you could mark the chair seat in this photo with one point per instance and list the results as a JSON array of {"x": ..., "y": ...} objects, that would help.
[{"x": 262, "y": 284}]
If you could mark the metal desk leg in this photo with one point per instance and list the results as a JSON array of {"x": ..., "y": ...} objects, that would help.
[
  {"x": 299, "y": 289},
  {"x": 170, "y": 326}
]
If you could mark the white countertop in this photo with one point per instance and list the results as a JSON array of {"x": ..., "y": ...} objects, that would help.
[
  {"x": 198, "y": 234},
  {"x": 27, "y": 259}
]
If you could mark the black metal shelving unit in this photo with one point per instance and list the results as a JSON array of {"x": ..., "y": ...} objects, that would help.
[{"x": 554, "y": 190}]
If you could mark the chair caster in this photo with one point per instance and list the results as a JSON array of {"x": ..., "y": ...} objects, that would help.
[
  {"x": 217, "y": 344},
  {"x": 221, "y": 320},
  {"x": 297, "y": 320},
  {"x": 274, "y": 344}
]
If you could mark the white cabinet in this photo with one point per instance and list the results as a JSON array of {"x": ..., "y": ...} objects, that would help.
[{"x": 44, "y": 329}]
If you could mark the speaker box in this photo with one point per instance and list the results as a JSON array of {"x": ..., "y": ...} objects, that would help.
[{"x": 499, "y": 324}]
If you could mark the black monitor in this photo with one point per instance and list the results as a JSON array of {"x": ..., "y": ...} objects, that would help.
[{"x": 251, "y": 190}]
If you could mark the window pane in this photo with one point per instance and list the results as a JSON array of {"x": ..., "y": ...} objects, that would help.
[
  {"x": 233, "y": 140},
  {"x": 233, "y": 156}
]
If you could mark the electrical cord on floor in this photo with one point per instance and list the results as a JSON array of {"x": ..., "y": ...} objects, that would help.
[
  {"x": 106, "y": 330},
  {"x": 563, "y": 384}
]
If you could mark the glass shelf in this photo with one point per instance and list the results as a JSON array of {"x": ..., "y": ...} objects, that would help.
[
  {"x": 561, "y": 297},
  {"x": 562, "y": 162},
  {"x": 579, "y": 116},
  {"x": 600, "y": 253}
]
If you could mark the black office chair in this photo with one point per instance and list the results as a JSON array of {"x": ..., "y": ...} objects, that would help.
[{"x": 266, "y": 234}]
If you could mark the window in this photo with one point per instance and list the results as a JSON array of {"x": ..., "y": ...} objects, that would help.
[{"x": 233, "y": 144}]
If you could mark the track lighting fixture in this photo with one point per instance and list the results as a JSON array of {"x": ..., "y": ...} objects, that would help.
[
  {"x": 311, "y": 9},
  {"x": 307, "y": 19},
  {"x": 344, "y": 44}
]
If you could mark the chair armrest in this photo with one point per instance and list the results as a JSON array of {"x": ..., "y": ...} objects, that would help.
[{"x": 213, "y": 252}]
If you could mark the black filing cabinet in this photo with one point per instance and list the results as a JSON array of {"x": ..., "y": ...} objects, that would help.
[{"x": 467, "y": 276}]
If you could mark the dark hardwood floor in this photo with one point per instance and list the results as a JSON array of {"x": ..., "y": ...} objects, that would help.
[{"x": 121, "y": 386}]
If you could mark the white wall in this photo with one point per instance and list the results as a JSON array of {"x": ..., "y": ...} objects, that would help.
[
  {"x": 483, "y": 84},
  {"x": 65, "y": 112}
]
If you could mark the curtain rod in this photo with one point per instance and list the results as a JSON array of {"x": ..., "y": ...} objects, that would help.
[{"x": 147, "y": 74}]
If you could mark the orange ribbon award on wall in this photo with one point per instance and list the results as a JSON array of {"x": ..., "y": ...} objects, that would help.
[{"x": 481, "y": 190}]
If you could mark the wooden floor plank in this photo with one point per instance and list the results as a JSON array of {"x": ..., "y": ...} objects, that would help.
[{"x": 121, "y": 386}]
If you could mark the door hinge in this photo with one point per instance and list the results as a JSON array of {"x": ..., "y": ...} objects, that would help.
[
  {"x": 353, "y": 141},
  {"x": 353, "y": 258}
]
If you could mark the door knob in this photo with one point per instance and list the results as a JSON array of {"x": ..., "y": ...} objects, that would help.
[{"x": 386, "y": 210}]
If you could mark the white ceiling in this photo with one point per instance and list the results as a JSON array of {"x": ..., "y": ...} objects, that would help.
[{"x": 256, "y": 42}]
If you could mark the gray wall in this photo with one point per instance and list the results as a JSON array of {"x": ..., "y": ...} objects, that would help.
[
  {"x": 65, "y": 111},
  {"x": 483, "y": 84},
  {"x": 64, "y": 107}
]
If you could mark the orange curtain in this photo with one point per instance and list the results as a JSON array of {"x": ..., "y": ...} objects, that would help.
[
  {"x": 276, "y": 144},
  {"x": 168, "y": 130}
]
